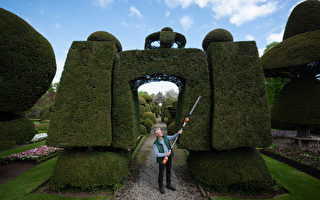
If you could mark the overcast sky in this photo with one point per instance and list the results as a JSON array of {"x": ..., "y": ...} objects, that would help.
[{"x": 65, "y": 21}]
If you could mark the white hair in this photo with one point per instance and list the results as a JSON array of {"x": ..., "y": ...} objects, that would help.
[{"x": 155, "y": 130}]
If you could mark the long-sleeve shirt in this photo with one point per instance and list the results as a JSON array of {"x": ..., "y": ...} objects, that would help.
[{"x": 165, "y": 148}]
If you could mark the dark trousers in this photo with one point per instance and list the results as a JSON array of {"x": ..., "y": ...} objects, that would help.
[{"x": 166, "y": 166}]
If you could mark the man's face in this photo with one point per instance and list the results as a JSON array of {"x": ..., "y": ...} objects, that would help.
[{"x": 159, "y": 133}]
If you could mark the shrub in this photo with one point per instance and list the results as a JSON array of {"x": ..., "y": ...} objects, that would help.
[
  {"x": 82, "y": 107},
  {"x": 241, "y": 116},
  {"x": 89, "y": 170},
  {"x": 143, "y": 129},
  {"x": 103, "y": 36},
  {"x": 148, "y": 124},
  {"x": 150, "y": 116},
  {"x": 16, "y": 131},
  {"x": 148, "y": 98},
  {"x": 142, "y": 101},
  {"x": 238, "y": 169},
  {"x": 217, "y": 35},
  {"x": 27, "y": 63},
  {"x": 171, "y": 128}
]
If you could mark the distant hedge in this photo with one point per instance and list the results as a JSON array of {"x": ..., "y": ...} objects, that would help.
[
  {"x": 297, "y": 104},
  {"x": 82, "y": 108},
  {"x": 148, "y": 124},
  {"x": 143, "y": 129},
  {"x": 185, "y": 64},
  {"x": 27, "y": 63},
  {"x": 239, "y": 169},
  {"x": 89, "y": 170},
  {"x": 150, "y": 116},
  {"x": 171, "y": 128},
  {"x": 16, "y": 131},
  {"x": 240, "y": 116}
]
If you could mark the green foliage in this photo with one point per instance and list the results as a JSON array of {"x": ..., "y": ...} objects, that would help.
[
  {"x": 294, "y": 51},
  {"x": 269, "y": 46},
  {"x": 239, "y": 169},
  {"x": 171, "y": 128},
  {"x": 89, "y": 170},
  {"x": 143, "y": 109},
  {"x": 143, "y": 130},
  {"x": 27, "y": 63},
  {"x": 304, "y": 17},
  {"x": 82, "y": 107},
  {"x": 171, "y": 95},
  {"x": 103, "y": 36},
  {"x": 273, "y": 87},
  {"x": 190, "y": 65},
  {"x": 166, "y": 37},
  {"x": 16, "y": 131},
  {"x": 297, "y": 104},
  {"x": 148, "y": 124},
  {"x": 241, "y": 116},
  {"x": 217, "y": 35},
  {"x": 150, "y": 116},
  {"x": 142, "y": 101},
  {"x": 146, "y": 97}
]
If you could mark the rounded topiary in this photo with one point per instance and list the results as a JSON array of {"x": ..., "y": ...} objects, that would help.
[
  {"x": 171, "y": 128},
  {"x": 167, "y": 29},
  {"x": 101, "y": 36},
  {"x": 27, "y": 63},
  {"x": 142, "y": 101},
  {"x": 217, "y": 35},
  {"x": 143, "y": 129},
  {"x": 16, "y": 131},
  {"x": 148, "y": 124},
  {"x": 150, "y": 116},
  {"x": 143, "y": 109},
  {"x": 304, "y": 17},
  {"x": 89, "y": 170},
  {"x": 297, "y": 104},
  {"x": 239, "y": 169},
  {"x": 166, "y": 37}
]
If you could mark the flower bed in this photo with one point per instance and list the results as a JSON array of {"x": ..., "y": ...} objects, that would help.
[
  {"x": 38, "y": 154},
  {"x": 306, "y": 160},
  {"x": 304, "y": 156}
]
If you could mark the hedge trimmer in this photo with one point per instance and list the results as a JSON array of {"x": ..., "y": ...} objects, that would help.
[{"x": 186, "y": 120}]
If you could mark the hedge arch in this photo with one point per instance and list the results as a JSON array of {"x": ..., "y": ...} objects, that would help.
[{"x": 188, "y": 68}]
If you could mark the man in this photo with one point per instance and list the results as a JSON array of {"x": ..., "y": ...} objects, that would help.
[{"x": 162, "y": 149}]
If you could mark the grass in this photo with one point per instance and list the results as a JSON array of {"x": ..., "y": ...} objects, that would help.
[
  {"x": 21, "y": 149},
  {"x": 300, "y": 185}
]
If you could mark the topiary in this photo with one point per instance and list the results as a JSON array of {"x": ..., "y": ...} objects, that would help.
[
  {"x": 166, "y": 37},
  {"x": 217, "y": 35},
  {"x": 16, "y": 131},
  {"x": 142, "y": 101},
  {"x": 150, "y": 116},
  {"x": 171, "y": 128},
  {"x": 89, "y": 170},
  {"x": 143, "y": 129},
  {"x": 239, "y": 169},
  {"x": 148, "y": 124},
  {"x": 27, "y": 63},
  {"x": 304, "y": 17},
  {"x": 101, "y": 36}
]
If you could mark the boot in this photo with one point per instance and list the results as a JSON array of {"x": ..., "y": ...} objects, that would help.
[
  {"x": 161, "y": 189},
  {"x": 170, "y": 187}
]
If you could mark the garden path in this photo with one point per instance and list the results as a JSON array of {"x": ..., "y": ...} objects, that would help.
[{"x": 143, "y": 184}]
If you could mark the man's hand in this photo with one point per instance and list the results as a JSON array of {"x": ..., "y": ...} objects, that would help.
[
  {"x": 168, "y": 153},
  {"x": 180, "y": 131}
]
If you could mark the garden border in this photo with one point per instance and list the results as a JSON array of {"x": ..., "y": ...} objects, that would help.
[{"x": 302, "y": 167}]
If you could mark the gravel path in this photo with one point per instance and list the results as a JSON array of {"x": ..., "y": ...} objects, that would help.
[{"x": 143, "y": 184}]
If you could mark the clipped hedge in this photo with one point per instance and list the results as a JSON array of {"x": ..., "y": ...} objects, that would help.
[
  {"x": 143, "y": 129},
  {"x": 150, "y": 116},
  {"x": 16, "y": 131},
  {"x": 190, "y": 66},
  {"x": 142, "y": 101},
  {"x": 148, "y": 124},
  {"x": 297, "y": 104},
  {"x": 89, "y": 170},
  {"x": 233, "y": 170},
  {"x": 171, "y": 128},
  {"x": 103, "y": 36},
  {"x": 27, "y": 63},
  {"x": 304, "y": 17},
  {"x": 241, "y": 116},
  {"x": 82, "y": 108},
  {"x": 217, "y": 35}
]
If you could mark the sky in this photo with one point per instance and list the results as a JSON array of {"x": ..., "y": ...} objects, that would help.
[{"x": 131, "y": 21}]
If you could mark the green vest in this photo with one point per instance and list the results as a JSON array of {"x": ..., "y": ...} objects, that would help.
[{"x": 160, "y": 148}]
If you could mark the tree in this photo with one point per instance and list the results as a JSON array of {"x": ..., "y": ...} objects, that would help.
[
  {"x": 171, "y": 95},
  {"x": 269, "y": 46}
]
